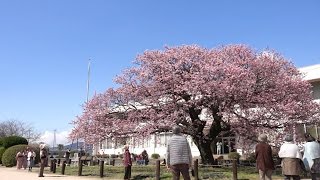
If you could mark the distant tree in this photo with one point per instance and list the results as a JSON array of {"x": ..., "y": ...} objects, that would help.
[
  {"x": 206, "y": 92},
  {"x": 60, "y": 148},
  {"x": 13, "y": 140},
  {"x": 14, "y": 127}
]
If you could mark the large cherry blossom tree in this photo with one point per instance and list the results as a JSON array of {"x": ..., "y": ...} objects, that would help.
[{"x": 205, "y": 91}]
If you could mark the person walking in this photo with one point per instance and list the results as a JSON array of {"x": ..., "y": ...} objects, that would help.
[
  {"x": 31, "y": 157},
  {"x": 127, "y": 162},
  {"x": 311, "y": 157},
  {"x": 291, "y": 157},
  {"x": 265, "y": 164},
  {"x": 25, "y": 159},
  {"x": 178, "y": 156},
  {"x": 19, "y": 158},
  {"x": 43, "y": 158}
]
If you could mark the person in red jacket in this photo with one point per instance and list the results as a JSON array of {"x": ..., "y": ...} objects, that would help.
[
  {"x": 127, "y": 162},
  {"x": 264, "y": 159}
]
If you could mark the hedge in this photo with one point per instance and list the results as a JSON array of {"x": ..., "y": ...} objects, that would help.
[
  {"x": 233, "y": 155},
  {"x": 2, "y": 150},
  {"x": 1, "y": 139},
  {"x": 155, "y": 156},
  {"x": 13, "y": 140}
]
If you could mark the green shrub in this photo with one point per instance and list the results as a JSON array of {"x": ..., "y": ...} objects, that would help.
[
  {"x": 2, "y": 149},
  {"x": 9, "y": 156},
  {"x": 113, "y": 156},
  {"x": 155, "y": 156},
  {"x": 233, "y": 155},
  {"x": 13, "y": 140},
  {"x": 252, "y": 157},
  {"x": 72, "y": 153},
  {"x": 120, "y": 156},
  {"x": 1, "y": 141}
]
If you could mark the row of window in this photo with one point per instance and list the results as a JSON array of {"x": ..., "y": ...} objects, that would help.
[{"x": 158, "y": 140}]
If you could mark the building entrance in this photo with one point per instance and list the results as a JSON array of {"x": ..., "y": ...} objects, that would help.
[{"x": 223, "y": 145}]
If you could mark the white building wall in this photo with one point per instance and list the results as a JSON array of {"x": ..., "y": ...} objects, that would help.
[{"x": 155, "y": 144}]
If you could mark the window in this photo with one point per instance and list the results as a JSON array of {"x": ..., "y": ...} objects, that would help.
[{"x": 109, "y": 143}]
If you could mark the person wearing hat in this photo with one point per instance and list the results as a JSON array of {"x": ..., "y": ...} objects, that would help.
[
  {"x": 43, "y": 158},
  {"x": 265, "y": 164},
  {"x": 291, "y": 157}
]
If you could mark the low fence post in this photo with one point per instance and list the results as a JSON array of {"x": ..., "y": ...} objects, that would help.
[
  {"x": 101, "y": 168},
  {"x": 195, "y": 169},
  {"x": 51, "y": 165},
  {"x": 158, "y": 170},
  {"x": 80, "y": 167},
  {"x": 59, "y": 161},
  {"x": 113, "y": 162},
  {"x": 234, "y": 169},
  {"x": 54, "y": 166},
  {"x": 63, "y": 167}
]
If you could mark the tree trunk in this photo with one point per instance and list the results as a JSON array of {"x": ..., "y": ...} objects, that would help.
[{"x": 204, "y": 147}]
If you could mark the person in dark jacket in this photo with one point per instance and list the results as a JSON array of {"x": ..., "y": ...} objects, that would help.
[
  {"x": 43, "y": 158},
  {"x": 127, "y": 162},
  {"x": 264, "y": 159}
]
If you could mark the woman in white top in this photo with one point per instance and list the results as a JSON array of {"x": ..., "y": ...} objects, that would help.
[
  {"x": 311, "y": 157},
  {"x": 291, "y": 156},
  {"x": 31, "y": 157}
]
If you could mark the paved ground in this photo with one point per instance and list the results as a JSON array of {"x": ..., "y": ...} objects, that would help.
[{"x": 14, "y": 174}]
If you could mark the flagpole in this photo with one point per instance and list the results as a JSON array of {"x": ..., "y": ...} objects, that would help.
[
  {"x": 88, "y": 80},
  {"x": 88, "y": 90}
]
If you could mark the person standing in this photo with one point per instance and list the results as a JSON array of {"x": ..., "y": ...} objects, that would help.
[
  {"x": 219, "y": 145},
  {"x": 127, "y": 162},
  {"x": 291, "y": 157},
  {"x": 179, "y": 157},
  {"x": 145, "y": 157},
  {"x": 264, "y": 158},
  {"x": 43, "y": 158},
  {"x": 67, "y": 156},
  {"x": 31, "y": 157},
  {"x": 19, "y": 158},
  {"x": 311, "y": 157},
  {"x": 25, "y": 159}
]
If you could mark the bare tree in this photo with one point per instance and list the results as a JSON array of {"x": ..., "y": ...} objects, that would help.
[{"x": 13, "y": 127}]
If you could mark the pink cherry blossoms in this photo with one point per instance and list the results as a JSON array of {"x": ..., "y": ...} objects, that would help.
[{"x": 205, "y": 91}]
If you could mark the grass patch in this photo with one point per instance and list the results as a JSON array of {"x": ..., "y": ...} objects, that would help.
[{"x": 148, "y": 172}]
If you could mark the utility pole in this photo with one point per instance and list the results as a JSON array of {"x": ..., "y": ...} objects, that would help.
[{"x": 54, "y": 139}]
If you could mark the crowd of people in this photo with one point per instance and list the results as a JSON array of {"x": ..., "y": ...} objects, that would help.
[
  {"x": 25, "y": 159},
  {"x": 294, "y": 161}
]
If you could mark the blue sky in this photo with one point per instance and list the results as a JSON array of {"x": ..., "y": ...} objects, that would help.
[{"x": 45, "y": 45}]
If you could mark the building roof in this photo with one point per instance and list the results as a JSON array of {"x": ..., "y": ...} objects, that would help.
[{"x": 312, "y": 73}]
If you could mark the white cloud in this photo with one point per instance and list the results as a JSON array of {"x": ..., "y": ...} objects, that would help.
[{"x": 61, "y": 138}]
